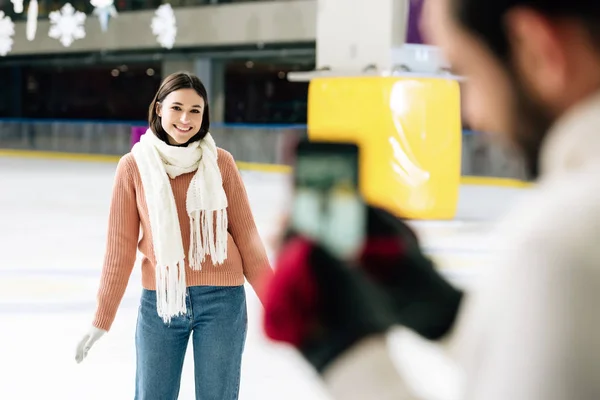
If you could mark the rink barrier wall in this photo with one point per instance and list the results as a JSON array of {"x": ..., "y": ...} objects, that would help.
[
  {"x": 242, "y": 165},
  {"x": 256, "y": 147}
]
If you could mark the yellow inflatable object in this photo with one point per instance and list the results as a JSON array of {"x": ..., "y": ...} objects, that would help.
[{"x": 409, "y": 134}]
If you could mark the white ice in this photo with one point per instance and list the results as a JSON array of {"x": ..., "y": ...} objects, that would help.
[{"x": 53, "y": 220}]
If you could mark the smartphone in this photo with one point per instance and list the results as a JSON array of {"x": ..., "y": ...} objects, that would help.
[{"x": 327, "y": 204}]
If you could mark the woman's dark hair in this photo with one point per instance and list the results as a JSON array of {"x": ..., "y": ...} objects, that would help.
[{"x": 173, "y": 82}]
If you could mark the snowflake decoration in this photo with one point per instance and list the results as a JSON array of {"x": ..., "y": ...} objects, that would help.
[
  {"x": 104, "y": 9},
  {"x": 7, "y": 31},
  {"x": 32, "y": 17},
  {"x": 67, "y": 25},
  {"x": 17, "y": 6},
  {"x": 164, "y": 26}
]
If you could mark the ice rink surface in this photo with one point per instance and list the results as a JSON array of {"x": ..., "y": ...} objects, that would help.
[{"x": 53, "y": 222}]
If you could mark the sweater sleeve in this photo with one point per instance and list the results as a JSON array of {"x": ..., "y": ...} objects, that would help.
[
  {"x": 367, "y": 371},
  {"x": 395, "y": 367},
  {"x": 242, "y": 226},
  {"x": 121, "y": 247}
]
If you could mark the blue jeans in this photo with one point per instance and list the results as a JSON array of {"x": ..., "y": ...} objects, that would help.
[{"x": 217, "y": 321}]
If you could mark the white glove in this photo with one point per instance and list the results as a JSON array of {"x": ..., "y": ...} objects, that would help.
[{"x": 87, "y": 342}]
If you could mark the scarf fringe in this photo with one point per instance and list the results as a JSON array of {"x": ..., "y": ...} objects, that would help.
[
  {"x": 207, "y": 237},
  {"x": 171, "y": 291}
]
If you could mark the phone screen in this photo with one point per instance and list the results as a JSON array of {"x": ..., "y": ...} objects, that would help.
[{"x": 327, "y": 204}]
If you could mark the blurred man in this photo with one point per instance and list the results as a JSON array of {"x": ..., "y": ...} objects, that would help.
[{"x": 531, "y": 330}]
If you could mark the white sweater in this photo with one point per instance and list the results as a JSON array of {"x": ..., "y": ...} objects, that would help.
[{"x": 531, "y": 330}]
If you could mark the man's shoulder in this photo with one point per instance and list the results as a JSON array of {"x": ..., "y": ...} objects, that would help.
[
  {"x": 560, "y": 215},
  {"x": 572, "y": 199}
]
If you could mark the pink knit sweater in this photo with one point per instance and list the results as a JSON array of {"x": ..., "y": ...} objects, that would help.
[{"x": 246, "y": 255}]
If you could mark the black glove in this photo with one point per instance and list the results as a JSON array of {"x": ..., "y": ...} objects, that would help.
[{"x": 421, "y": 298}]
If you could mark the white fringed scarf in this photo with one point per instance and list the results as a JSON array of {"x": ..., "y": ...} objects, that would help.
[{"x": 206, "y": 204}]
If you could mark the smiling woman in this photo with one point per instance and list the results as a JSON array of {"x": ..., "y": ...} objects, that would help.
[{"x": 199, "y": 244}]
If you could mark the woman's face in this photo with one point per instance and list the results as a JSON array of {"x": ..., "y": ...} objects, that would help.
[{"x": 181, "y": 115}]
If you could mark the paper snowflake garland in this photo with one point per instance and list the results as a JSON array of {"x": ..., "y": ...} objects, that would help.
[
  {"x": 164, "y": 26},
  {"x": 17, "y": 6},
  {"x": 67, "y": 25},
  {"x": 7, "y": 31},
  {"x": 104, "y": 9},
  {"x": 32, "y": 17}
]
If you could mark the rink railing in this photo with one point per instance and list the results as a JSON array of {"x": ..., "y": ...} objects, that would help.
[{"x": 267, "y": 145}]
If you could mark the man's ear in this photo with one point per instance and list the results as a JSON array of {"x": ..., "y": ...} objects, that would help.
[{"x": 538, "y": 51}]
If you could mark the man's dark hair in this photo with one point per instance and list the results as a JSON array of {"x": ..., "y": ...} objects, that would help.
[{"x": 485, "y": 18}]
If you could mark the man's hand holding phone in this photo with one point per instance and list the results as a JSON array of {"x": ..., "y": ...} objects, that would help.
[{"x": 323, "y": 306}]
